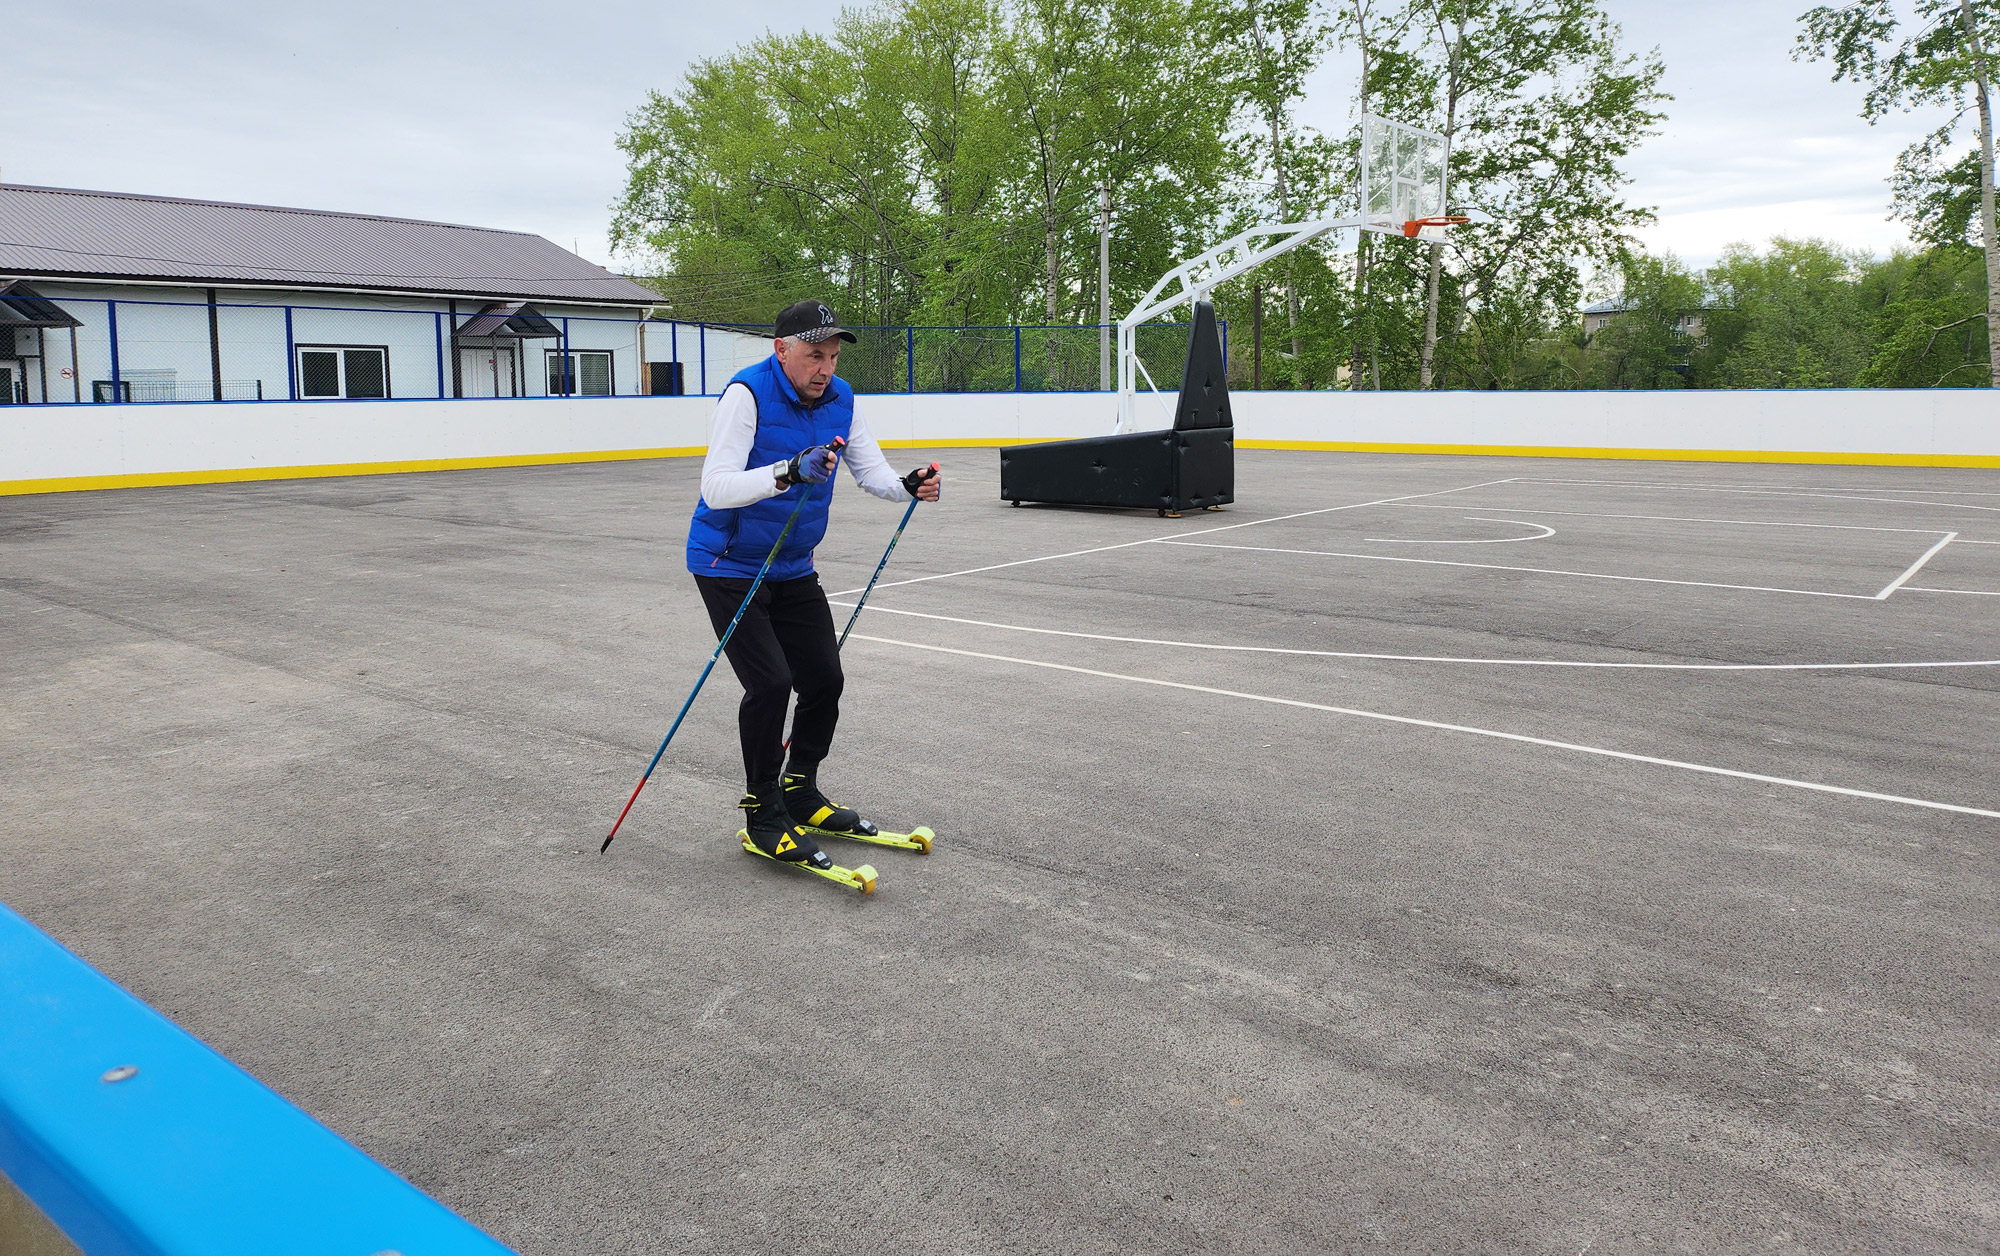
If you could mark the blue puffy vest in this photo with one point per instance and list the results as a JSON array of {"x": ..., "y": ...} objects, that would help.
[{"x": 735, "y": 542}]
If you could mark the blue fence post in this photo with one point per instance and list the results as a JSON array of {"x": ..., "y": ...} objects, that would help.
[
  {"x": 701, "y": 336},
  {"x": 674, "y": 354},
  {"x": 291, "y": 360},
  {"x": 111, "y": 320},
  {"x": 568, "y": 365},
  {"x": 437, "y": 326},
  {"x": 910, "y": 358},
  {"x": 1017, "y": 357}
]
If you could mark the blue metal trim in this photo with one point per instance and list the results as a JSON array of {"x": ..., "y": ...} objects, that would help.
[
  {"x": 437, "y": 325},
  {"x": 568, "y": 364},
  {"x": 291, "y": 360},
  {"x": 189, "y": 1154},
  {"x": 111, "y": 319},
  {"x": 674, "y": 352},
  {"x": 1017, "y": 359},
  {"x": 701, "y": 333}
]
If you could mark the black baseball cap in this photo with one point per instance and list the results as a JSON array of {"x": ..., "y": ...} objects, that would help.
[{"x": 812, "y": 322}]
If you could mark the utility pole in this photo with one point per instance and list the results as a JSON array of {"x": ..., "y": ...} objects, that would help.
[
  {"x": 1104, "y": 286},
  {"x": 1256, "y": 336}
]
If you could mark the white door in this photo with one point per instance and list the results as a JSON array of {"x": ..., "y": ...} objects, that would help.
[{"x": 486, "y": 372}]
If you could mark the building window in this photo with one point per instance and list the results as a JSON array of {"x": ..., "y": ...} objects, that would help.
[
  {"x": 343, "y": 371},
  {"x": 580, "y": 372}
]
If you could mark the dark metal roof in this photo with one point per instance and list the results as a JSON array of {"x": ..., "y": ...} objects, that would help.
[
  {"x": 114, "y": 235},
  {"x": 22, "y": 306},
  {"x": 516, "y": 318}
]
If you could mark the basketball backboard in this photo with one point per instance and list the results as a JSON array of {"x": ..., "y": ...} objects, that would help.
[{"x": 1402, "y": 174}]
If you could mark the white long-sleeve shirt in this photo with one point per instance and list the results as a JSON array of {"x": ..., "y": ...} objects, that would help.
[{"x": 727, "y": 482}]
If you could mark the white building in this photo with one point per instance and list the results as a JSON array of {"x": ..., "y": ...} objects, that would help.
[{"x": 109, "y": 297}]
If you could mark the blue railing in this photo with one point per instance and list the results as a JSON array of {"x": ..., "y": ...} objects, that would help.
[{"x": 132, "y": 1137}]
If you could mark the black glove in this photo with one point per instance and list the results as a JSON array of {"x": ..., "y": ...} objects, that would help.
[
  {"x": 812, "y": 466},
  {"x": 915, "y": 479}
]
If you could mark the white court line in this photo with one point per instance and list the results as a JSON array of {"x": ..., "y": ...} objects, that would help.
[
  {"x": 1963, "y": 541},
  {"x": 1522, "y": 738},
  {"x": 1917, "y": 588},
  {"x": 1914, "y": 568},
  {"x": 1748, "y": 523},
  {"x": 1544, "y": 534},
  {"x": 1763, "y": 492},
  {"x": 1433, "y": 658},
  {"x": 1539, "y": 571},
  {"x": 1150, "y": 540},
  {"x": 1829, "y": 488}
]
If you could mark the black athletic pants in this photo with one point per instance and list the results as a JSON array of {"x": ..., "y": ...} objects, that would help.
[{"x": 785, "y": 643}]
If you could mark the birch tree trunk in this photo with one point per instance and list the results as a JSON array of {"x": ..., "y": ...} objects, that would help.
[
  {"x": 1429, "y": 356},
  {"x": 1981, "y": 85}
]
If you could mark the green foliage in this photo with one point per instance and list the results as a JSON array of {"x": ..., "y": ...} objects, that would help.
[
  {"x": 1940, "y": 202},
  {"x": 1790, "y": 317},
  {"x": 937, "y": 162},
  {"x": 1929, "y": 329},
  {"x": 1945, "y": 63},
  {"x": 1648, "y": 345},
  {"x": 1797, "y": 314},
  {"x": 932, "y": 161},
  {"x": 1543, "y": 105},
  {"x": 1930, "y": 67}
]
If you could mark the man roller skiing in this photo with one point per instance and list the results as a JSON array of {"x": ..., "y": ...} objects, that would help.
[{"x": 773, "y": 439}]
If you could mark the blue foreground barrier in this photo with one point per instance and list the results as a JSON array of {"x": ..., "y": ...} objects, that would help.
[{"x": 137, "y": 1140}]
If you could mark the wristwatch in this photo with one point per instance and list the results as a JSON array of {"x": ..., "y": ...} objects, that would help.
[{"x": 784, "y": 480}]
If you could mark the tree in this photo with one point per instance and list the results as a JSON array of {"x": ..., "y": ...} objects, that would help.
[
  {"x": 934, "y": 161},
  {"x": 1559, "y": 106},
  {"x": 1790, "y": 317},
  {"x": 1929, "y": 329},
  {"x": 1387, "y": 71},
  {"x": 1283, "y": 42},
  {"x": 1948, "y": 54},
  {"x": 1648, "y": 344},
  {"x": 1117, "y": 91}
]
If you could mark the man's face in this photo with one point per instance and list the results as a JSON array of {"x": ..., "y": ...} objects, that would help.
[{"x": 810, "y": 367}]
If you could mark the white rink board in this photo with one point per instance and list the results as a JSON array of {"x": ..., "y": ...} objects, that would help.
[{"x": 157, "y": 443}]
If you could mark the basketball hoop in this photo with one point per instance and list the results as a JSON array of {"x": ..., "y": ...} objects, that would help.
[{"x": 1416, "y": 225}]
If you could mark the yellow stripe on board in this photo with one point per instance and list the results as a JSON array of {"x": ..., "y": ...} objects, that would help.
[
  {"x": 238, "y": 475},
  {"x": 1812, "y": 457}
]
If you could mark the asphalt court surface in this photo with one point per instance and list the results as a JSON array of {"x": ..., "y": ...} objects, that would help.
[{"x": 1423, "y": 854}]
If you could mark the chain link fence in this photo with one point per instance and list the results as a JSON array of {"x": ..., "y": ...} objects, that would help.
[
  {"x": 66, "y": 348},
  {"x": 910, "y": 359}
]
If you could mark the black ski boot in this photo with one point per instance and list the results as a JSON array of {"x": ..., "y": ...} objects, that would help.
[
  {"x": 809, "y": 808},
  {"x": 773, "y": 832}
]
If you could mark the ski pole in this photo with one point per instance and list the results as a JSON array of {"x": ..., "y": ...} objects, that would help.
[
  {"x": 879, "y": 566},
  {"x": 907, "y": 512},
  {"x": 837, "y": 444}
]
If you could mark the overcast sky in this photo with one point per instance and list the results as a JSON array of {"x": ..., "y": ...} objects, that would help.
[{"x": 503, "y": 114}]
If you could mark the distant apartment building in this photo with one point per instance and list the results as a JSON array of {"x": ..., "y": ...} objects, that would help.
[{"x": 1598, "y": 314}]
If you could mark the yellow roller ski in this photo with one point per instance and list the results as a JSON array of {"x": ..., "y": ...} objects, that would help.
[
  {"x": 918, "y": 839},
  {"x": 862, "y": 878}
]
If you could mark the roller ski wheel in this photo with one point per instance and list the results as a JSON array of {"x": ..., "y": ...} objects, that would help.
[
  {"x": 811, "y": 812},
  {"x": 862, "y": 878}
]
